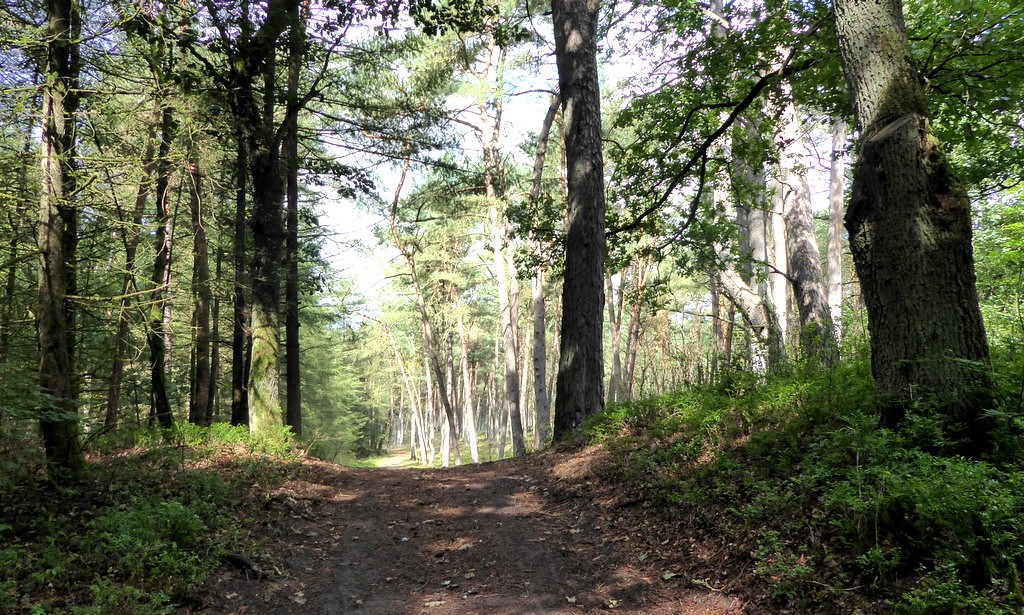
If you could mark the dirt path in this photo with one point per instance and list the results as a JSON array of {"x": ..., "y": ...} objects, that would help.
[
  {"x": 397, "y": 458},
  {"x": 522, "y": 536}
]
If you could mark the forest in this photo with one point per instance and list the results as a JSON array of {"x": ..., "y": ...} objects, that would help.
[{"x": 767, "y": 256}]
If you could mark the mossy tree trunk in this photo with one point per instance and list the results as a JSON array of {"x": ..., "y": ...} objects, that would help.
[
  {"x": 57, "y": 241},
  {"x": 910, "y": 233}
]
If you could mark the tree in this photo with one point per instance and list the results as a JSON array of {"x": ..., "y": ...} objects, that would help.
[
  {"x": 57, "y": 240},
  {"x": 837, "y": 184},
  {"x": 817, "y": 334},
  {"x": 580, "y": 383},
  {"x": 910, "y": 233},
  {"x": 201, "y": 400},
  {"x": 293, "y": 404},
  {"x": 156, "y": 334}
]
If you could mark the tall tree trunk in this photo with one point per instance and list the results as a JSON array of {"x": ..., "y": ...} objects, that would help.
[
  {"x": 538, "y": 303},
  {"x": 490, "y": 136},
  {"x": 214, "y": 403},
  {"x": 240, "y": 319},
  {"x": 156, "y": 337},
  {"x": 128, "y": 283},
  {"x": 909, "y": 221},
  {"x": 293, "y": 410},
  {"x": 57, "y": 240},
  {"x": 834, "y": 258},
  {"x": 753, "y": 245},
  {"x": 467, "y": 389},
  {"x": 199, "y": 406},
  {"x": 268, "y": 239},
  {"x": 615, "y": 299},
  {"x": 509, "y": 328},
  {"x": 580, "y": 384},
  {"x": 817, "y": 336},
  {"x": 779, "y": 278},
  {"x": 540, "y": 395}
]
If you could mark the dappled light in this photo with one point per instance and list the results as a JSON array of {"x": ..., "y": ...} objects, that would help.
[{"x": 438, "y": 307}]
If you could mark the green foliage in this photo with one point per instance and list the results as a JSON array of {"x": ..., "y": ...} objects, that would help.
[
  {"x": 441, "y": 16},
  {"x": 798, "y": 471},
  {"x": 110, "y": 597},
  {"x": 152, "y": 544},
  {"x": 144, "y": 530}
]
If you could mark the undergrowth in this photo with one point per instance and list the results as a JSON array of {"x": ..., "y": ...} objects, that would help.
[
  {"x": 143, "y": 530},
  {"x": 826, "y": 506}
]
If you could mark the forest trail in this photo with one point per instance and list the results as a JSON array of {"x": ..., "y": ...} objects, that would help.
[
  {"x": 535, "y": 535},
  {"x": 396, "y": 458}
]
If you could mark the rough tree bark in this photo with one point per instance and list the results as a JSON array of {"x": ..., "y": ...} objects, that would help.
[
  {"x": 156, "y": 337},
  {"x": 240, "y": 304},
  {"x": 909, "y": 222},
  {"x": 817, "y": 336},
  {"x": 199, "y": 404},
  {"x": 57, "y": 241},
  {"x": 293, "y": 381},
  {"x": 580, "y": 384}
]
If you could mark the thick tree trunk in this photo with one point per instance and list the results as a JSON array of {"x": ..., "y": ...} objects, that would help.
[
  {"x": 240, "y": 306},
  {"x": 580, "y": 384},
  {"x": 834, "y": 258},
  {"x": 259, "y": 143},
  {"x": 268, "y": 239},
  {"x": 293, "y": 383},
  {"x": 156, "y": 334},
  {"x": 817, "y": 336},
  {"x": 57, "y": 238},
  {"x": 199, "y": 406},
  {"x": 910, "y": 232}
]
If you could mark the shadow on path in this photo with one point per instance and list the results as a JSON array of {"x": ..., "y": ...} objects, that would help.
[{"x": 520, "y": 536}]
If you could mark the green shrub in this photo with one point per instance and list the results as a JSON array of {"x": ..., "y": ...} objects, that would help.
[
  {"x": 801, "y": 453},
  {"x": 152, "y": 544}
]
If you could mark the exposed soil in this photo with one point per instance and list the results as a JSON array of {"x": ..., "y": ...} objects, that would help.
[{"x": 540, "y": 534}]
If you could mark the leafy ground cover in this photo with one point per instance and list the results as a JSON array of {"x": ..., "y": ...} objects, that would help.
[
  {"x": 144, "y": 531},
  {"x": 746, "y": 496},
  {"x": 794, "y": 478}
]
